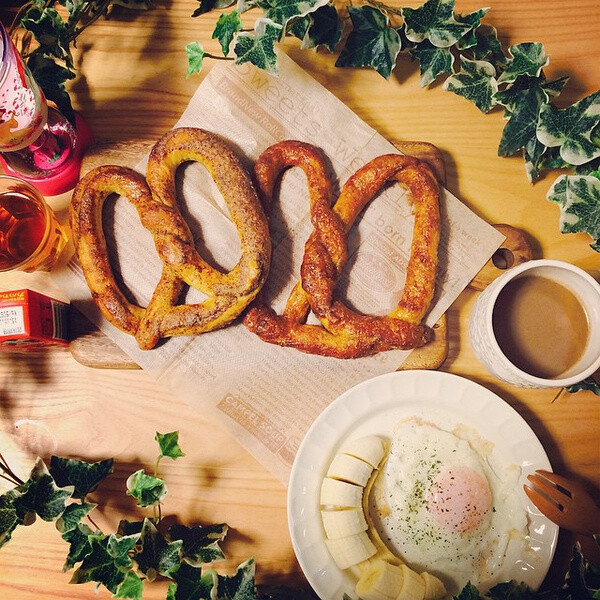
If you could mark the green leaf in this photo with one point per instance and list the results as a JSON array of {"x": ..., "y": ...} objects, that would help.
[
  {"x": 488, "y": 47},
  {"x": 571, "y": 129},
  {"x": 469, "y": 592},
  {"x": 147, "y": 490},
  {"x": 372, "y": 42},
  {"x": 158, "y": 556},
  {"x": 9, "y": 518},
  {"x": 85, "y": 476},
  {"x": 225, "y": 29},
  {"x": 195, "y": 54},
  {"x": 131, "y": 587},
  {"x": 240, "y": 586},
  {"x": 320, "y": 28},
  {"x": 130, "y": 527},
  {"x": 435, "y": 22},
  {"x": 258, "y": 48},
  {"x": 169, "y": 444},
  {"x": 579, "y": 199},
  {"x": 432, "y": 61},
  {"x": 100, "y": 565},
  {"x": 50, "y": 30},
  {"x": 511, "y": 590},
  {"x": 476, "y": 82},
  {"x": 41, "y": 495},
  {"x": 282, "y": 11},
  {"x": 208, "y": 5},
  {"x": 473, "y": 20},
  {"x": 517, "y": 91},
  {"x": 587, "y": 384},
  {"x": 79, "y": 544},
  {"x": 528, "y": 58},
  {"x": 191, "y": 584},
  {"x": 119, "y": 547},
  {"x": 279, "y": 592},
  {"x": 51, "y": 78},
  {"x": 200, "y": 543},
  {"x": 72, "y": 516},
  {"x": 521, "y": 127}
]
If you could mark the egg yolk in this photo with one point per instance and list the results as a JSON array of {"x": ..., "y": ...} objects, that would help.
[{"x": 459, "y": 499}]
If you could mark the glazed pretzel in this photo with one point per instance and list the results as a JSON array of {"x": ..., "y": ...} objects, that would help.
[
  {"x": 345, "y": 333},
  {"x": 156, "y": 203}
]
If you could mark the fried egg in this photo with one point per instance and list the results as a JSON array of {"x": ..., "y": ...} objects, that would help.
[{"x": 440, "y": 506}]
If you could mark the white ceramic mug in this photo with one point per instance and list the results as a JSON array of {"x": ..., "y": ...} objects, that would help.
[{"x": 487, "y": 349}]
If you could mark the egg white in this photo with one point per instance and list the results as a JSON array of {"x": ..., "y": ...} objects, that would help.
[{"x": 464, "y": 539}]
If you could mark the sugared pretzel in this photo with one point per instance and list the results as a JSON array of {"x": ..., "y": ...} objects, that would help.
[
  {"x": 345, "y": 333},
  {"x": 227, "y": 293}
]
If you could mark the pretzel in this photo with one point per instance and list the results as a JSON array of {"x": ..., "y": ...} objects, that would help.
[
  {"x": 345, "y": 333},
  {"x": 228, "y": 294}
]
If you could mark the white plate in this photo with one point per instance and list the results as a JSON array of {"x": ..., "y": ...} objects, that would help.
[{"x": 375, "y": 407}]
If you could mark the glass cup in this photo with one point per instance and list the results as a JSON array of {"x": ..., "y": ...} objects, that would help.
[
  {"x": 488, "y": 324},
  {"x": 30, "y": 236}
]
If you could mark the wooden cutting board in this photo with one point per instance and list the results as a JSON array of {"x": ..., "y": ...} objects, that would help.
[{"x": 92, "y": 348}]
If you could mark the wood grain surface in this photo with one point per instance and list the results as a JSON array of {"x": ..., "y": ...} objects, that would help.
[{"x": 131, "y": 84}]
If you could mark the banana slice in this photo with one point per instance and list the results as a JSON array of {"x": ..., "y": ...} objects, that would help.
[
  {"x": 351, "y": 550},
  {"x": 339, "y": 493},
  {"x": 369, "y": 448},
  {"x": 380, "y": 581},
  {"x": 343, "y": 523},
  {"x": 413, "y": 586},
  {"x": 434, "y": 588},
  {"x": 350, "y": 469}
]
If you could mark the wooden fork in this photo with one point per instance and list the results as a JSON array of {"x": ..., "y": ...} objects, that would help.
[{"x": 565, "y": 502}]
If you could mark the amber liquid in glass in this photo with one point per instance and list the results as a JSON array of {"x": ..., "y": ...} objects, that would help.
[{"x": 30, "y": 237}]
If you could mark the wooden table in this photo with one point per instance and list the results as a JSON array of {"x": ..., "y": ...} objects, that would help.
[{"x": 131, "y": 84}]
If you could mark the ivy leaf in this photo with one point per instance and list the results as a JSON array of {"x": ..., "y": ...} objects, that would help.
[
  {"x": 129, "y": 527},
  {"x": 488, "y": 46},
  {"x": 85, "y": 476},
  {"x": 587, "y": 384},
  {"x": 41, "y": 495},
  {"x": 200, "y": 543},
  {"x": 208, "y": 5},
  {"x": 320, "y": 28},
  {"x": 281, "y": 11},
  {"x": 571, "y": 129},
  {"x": 51, "y": 78},
  {"x": 475, "y": 81},
  {"x": 72, "y": 516},
  {"x": 372, "y": 42},
  {"x": 131, "y": 587},
  {"x": 528, "y": 58},
  {"x": 195, "y": 54},
  {"x": 9, "y": 518},
  {"x": 258, "y": 48},
  {"x": 50, "y": 30},
  {"x": 79, "y": 544},
  {"x": 434, "y": 21},
  {"x": 240, "y": 586},
  {"x": 158, "y": 556},
  {"x": 119, "y": 547},
  {"x": 147, "y": 490},
  {"x": 523, "y": 85},
  {"x": 103, "y": 564},
  {"x": 521, "y": 127},
  {"x": 191, "y": 584},
  {"x": 225, "y": 29},
  {"x": 469, "y": 592},
  {"x": 473, "y": 20},
  {"x": 432, "y": 61},
  {"x": 579, "y": 199},
  {"x": 169, "y": 444}
]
